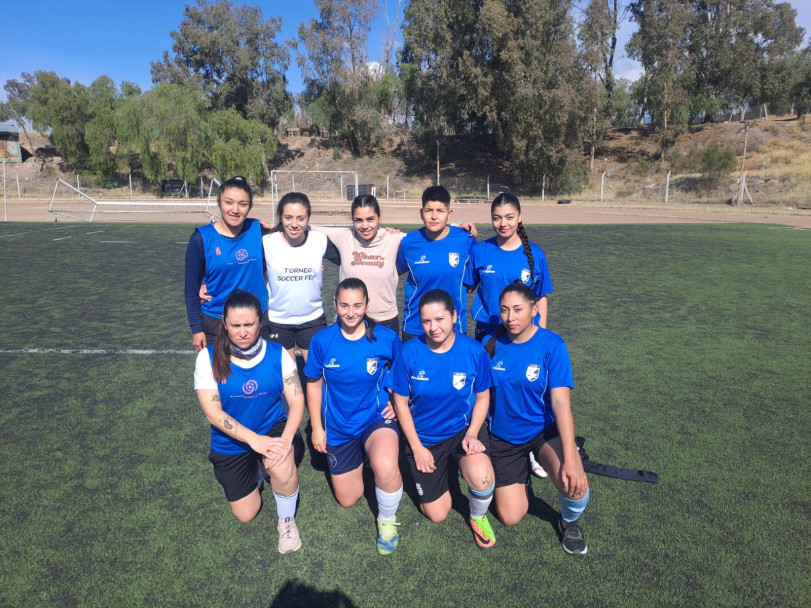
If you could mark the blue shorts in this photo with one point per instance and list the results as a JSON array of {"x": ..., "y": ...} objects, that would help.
[{"x": 349, "y": 456}]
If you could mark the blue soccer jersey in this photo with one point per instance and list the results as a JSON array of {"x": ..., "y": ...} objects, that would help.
[
  {"x": 233, "y": 263},
  {"x": 434, "y": 264},
  {"x": 493, "y": 268},
  {"x": 252, "y": 396},
  {"x": 354, "y": 372},
  {"x": 523, "y": 375},
  {"x": 441, "y": 387}
]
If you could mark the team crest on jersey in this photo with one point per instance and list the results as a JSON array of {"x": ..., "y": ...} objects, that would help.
[
  {"x": 533, "y": 371},
  {"x": 453, "y": 259},
  {"x": 525, "y": 276},
  {"x": 459, "y": 380},
  {"x": 371, "y": 365},
  {"x": 249, "y": 387},
  {"x": 241, "y": 255}
]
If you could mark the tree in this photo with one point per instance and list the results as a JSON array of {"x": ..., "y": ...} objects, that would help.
[
  {"x": 336, "y": 70},
  {"x": 230, "y": 53},
  {"x": 660, "y": 45},
  {"x": 18, "y": 98},
  {"x": 239, "y": 146},
  {"x": 167, "y": 127}
]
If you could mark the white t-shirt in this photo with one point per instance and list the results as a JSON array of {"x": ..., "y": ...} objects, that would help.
[
  {"x": 204, "y": 374},
  {"x": 294, "y": 277}
]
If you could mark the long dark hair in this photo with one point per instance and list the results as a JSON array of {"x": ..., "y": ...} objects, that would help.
[
  {"x": 507, "y": 198},
  {"x": 364, "y": 200},
  {"x": 438, "y": 296},
  {"x": 356, "y": 284},
  {"x": 289, "y": 199},
  {"x": 238, "y": 182},
  {"x": 516, "y": 287},
  {"x": 221, "y": 366}
]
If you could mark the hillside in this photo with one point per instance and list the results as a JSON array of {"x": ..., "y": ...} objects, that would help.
[{"x": 778, "y": 166}]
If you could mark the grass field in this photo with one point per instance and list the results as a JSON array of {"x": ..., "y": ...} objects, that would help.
[{"x": 691, "y": 350}]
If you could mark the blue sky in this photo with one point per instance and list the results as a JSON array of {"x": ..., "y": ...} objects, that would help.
[{"x": 90, "y": 38}]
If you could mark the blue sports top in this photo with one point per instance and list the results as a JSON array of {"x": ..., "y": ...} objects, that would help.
[
  {"x": 437, "y": 264},
  {"x": 493, "y": 268},
  {"x": 523, "y": 375},
  {"x": 253, "y": 397},
  {"x": 353, "y": 372},
  {"x": 223, "y": 264},
  {"x": 441, "y": 387}
]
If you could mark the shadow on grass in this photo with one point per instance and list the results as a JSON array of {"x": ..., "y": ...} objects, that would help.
[{"x": 295, "y": 593}]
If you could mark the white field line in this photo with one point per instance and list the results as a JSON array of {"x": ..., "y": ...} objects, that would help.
[{"x": 91, "y": 351}]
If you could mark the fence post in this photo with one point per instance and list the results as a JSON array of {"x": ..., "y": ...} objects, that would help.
[
  {"x": 602, "y": 184},
  {"x": 488, "y": 186},
  {"x": 543, "y": 188},
  {"x": 19, "y": 192},
  {"x": 667, "y": 187}
]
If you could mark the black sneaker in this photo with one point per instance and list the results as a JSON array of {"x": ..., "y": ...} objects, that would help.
[{"x": 573, "y": 541}]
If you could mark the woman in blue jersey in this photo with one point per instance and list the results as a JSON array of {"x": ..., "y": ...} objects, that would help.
[
  {"x": 225, "y": 256},
  {"x": 495, "y": 263},
  {"x": 440, "y": 385},
  {"x": 240, "y": 381},
  {"x": 532, "y": 411},
  {"x": 435, "y": 257},
  {"x": 349, "y": 407},
  {"x": 502, "y": 259}
]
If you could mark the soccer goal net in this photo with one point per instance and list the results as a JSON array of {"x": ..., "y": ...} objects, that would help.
[{"x": 70, "y": 202}]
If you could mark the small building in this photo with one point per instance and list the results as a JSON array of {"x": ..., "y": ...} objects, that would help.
[{"x": 10, "y": 150}]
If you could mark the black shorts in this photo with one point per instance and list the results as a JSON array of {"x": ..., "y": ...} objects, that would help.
[
  {"x": 510, "y": 461},
  {"x": 393, "y": 324},
  {"x": 349, "y": 456},
  {"x": 406, "y": 336},
  {"x": 239, "y": 474},
  {"x": 431, "y": 486},
  {"x": 298, "y": 334}
]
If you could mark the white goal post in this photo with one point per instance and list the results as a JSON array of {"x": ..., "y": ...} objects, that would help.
[
  {"x": 87, "y": 208},
  {"x": 317, "y": 185}
]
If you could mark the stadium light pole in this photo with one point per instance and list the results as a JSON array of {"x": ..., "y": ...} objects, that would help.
[{"x": 5, "y": 198}]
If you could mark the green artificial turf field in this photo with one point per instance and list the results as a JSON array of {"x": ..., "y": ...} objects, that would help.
[{"x": 691, "y": 351}]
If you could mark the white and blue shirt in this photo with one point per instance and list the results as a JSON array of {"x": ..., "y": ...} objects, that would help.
[
  {"x": 252, "y": 394},
  {"x": 434, "y": 264},
  {"x": 441, "y": 387},
  {"x": 353, "y": 371},
  {"x": 493, "y": 268},
  {"x": 523, "y": 375}
]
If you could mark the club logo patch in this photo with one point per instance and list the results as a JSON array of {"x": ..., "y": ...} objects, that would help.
[
  {"x": 525, "y": 276},
  {"x": 249, "y": 387},
  {"x": 371, "y": 365},
  {"x": 332, "y": 462},
  {"x": 419, "y": 489},
  {"x": 533, "y": 371},
  {"x": 242, "y": 255},
  {"x": 453, "y": 259},
  {"x": 459, "y": 380}
]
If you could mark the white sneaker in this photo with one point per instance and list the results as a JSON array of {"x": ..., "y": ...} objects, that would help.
[
  {"x": 537, "y": 469},
  {"x": 289, "y": 539}
]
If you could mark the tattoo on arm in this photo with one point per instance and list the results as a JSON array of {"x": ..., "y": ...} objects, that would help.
[
  {"x": 229, "y": 423},
  {"x": 292, "y": 380},
  {"x": 215, "y": 399}
]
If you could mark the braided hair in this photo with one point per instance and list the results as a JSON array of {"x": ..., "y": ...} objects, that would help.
[{"x": 507, "y": 198}]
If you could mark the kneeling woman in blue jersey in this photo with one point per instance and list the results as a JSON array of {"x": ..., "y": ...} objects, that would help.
[
  {"x": 441, "y": 388},
  {"x": 349, "y": 407},
  {"x": 532, "y": 411},
  {"x": 240, "y": 381}
]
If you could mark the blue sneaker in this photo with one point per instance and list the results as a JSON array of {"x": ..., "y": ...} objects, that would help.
[{"x": 387, "y": 536}]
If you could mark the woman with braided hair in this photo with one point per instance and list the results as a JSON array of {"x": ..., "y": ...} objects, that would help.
[{"x": 501, "y": 260}]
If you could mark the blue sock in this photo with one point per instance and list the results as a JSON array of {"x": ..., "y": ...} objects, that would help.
[
  {"x": 480, "y": 501},
  {"x": 286, "y": 505},
  {"x": 387, "y": 502},
  {"x": 570, "y": 509}
]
